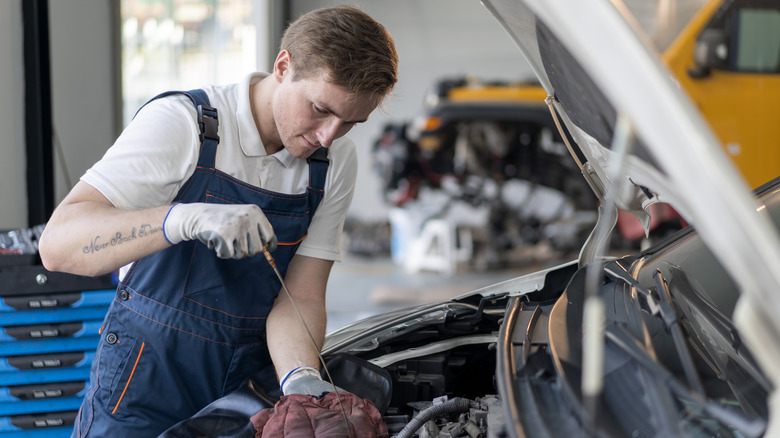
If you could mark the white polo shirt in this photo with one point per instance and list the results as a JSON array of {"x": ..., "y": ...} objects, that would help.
[{"x": 158, "y": 151}]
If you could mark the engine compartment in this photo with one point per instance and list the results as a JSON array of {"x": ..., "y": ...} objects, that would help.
[
  {"x": 442, "y": 373},
  {"x": 464, "y": 373}
]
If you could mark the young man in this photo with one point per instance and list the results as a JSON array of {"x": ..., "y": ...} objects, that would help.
[{"x": 200, "y": 310}]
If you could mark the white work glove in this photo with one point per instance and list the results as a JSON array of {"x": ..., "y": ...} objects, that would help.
[
  {"x": 307, "y": 381},
  {"x": 233, "y": 231}
]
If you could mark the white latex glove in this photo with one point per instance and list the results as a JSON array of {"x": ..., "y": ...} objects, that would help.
[{"x": 233, "y": 231}]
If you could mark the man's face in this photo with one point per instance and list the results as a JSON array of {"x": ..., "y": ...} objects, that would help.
[{"x": 312, "y": 112}]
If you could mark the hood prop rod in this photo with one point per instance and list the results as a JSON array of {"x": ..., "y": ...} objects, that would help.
[{"x": 594, "y": 309}]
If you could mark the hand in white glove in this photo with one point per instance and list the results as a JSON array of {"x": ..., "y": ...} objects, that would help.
[
  {"x": 234, "y": 231},
  {"x": 307, "y": 381}
]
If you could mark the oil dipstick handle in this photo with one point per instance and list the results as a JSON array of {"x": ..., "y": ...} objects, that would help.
[{"x": 268, "y": 257}]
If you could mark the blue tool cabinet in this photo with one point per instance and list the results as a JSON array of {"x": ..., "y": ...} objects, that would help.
[{"x": 49, "y": 329}]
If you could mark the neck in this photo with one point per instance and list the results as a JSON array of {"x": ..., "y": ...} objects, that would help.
[{"x": 260, "y": 98}]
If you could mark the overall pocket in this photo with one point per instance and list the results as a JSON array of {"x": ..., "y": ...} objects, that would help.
[
  {"x": 120, "y": 360},
  {"x": 244, "y": 288}
]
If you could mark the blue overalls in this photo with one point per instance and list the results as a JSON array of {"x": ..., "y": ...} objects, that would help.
[{"x": 186, "y": 327}]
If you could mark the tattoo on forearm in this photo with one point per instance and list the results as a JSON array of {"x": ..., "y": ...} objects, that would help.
[{"x": 98, "y": 243}]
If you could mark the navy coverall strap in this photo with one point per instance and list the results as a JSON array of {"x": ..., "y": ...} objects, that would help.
[
  {"x": 208, "y": 124},
  {"x": 317, "y": 162}
]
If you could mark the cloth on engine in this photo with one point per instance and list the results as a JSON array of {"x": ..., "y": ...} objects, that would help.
[{"x": 303, "y": 416}]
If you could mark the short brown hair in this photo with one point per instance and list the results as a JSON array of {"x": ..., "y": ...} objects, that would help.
[{"x": 355, "y": 50}]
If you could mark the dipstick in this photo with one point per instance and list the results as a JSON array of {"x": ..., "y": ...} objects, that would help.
[{"x": 271, "y": 262}]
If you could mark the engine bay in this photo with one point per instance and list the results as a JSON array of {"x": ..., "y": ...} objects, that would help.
[
  {"x": 442, "y": 374},
  {"x": 426, "y": 387}
]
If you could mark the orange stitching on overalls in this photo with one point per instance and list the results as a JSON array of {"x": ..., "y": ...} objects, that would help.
[
  {"x": 222, "y": 175},
  {"x": 129, "y": 379},
  {"x": 190, "y": 333},
  {"x": 200, "y": 317},
  {"x": 187, "y": 183},
  {"x": 222, "y": 312},
  {"x": 293, "y": 243},
  {"x": 182, "y": 296},
  {"x": 293, "y": 197},
  {"x": 130, "y": 271},
  {"x": 256, "y": 189},
  {"x": 209, "y": 195},
  {"x": 185, "y": 297}
]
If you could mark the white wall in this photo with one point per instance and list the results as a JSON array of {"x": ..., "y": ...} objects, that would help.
[
  {"x": 435, "y": 39},
  {"x": 83, "y": 100},
  {"x": 83, "y": 86},
  {"x": 13, "y": 183}
]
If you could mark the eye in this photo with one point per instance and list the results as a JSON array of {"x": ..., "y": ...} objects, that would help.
[{"x": 319, "y": 110}]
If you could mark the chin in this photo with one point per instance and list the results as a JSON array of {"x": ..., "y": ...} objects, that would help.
[{"x": 300, "y": 152}]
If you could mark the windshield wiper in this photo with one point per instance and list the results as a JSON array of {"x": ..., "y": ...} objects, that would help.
[
  {"x": 616, "y": 271},
  {"x": 660, "y": 305},
  {"x": 672, "y": 323},
  {"x": 625, "y": 342}
]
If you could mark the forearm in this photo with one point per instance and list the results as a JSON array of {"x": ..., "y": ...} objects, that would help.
[
  {"x": 288, "y": 341},
  {"x": 91, "y": 237}
]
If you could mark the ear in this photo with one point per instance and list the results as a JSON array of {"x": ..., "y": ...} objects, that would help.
[{"x": 282, "y": 65}]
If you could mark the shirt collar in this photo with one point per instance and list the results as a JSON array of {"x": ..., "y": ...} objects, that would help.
[{"x": 284, "y": 157}]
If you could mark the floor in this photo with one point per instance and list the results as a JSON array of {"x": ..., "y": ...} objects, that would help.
[{"x": 360, "y": 287}]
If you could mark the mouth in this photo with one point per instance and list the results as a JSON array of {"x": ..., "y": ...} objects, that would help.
[{"x": 309, "y": 144}]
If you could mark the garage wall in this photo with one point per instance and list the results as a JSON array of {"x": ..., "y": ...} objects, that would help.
[
  {"x": 435, "y": 39},
  {"x": 83, "y": 97},
  {"x": 13, "y": 195},
  {"x": 84, "y": 90}
]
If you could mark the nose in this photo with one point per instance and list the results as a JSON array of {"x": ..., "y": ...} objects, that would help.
[{"x": 330, "y": 130}]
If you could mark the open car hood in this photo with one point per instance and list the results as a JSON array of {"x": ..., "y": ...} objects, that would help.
[{"x": 639, "y": 139}]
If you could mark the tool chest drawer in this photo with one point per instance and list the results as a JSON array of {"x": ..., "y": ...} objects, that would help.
[
  {"x": 35, "y": 279},
  {"x": 49, "y": 330}
]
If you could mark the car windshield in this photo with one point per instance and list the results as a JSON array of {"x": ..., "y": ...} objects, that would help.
[
  {"x": 697, "y": 260},
  {"x": 703, "y": 297},
  {"x": 662, "y": 20}
]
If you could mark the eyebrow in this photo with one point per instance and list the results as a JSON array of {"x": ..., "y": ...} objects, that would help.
[{"x": 330, "y": 110}]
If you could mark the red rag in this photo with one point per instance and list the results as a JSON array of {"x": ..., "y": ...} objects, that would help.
[{"x": 304, "y": 416}]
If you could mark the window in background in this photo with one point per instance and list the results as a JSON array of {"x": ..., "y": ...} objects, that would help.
[
  {"x": 758, "y": 40},
  {"x": 183, "y": 44}
]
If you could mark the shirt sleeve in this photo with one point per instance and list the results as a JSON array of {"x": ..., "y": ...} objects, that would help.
[
  {"x": 324, "y": 236},
  {"x": 151, "y": 159}
]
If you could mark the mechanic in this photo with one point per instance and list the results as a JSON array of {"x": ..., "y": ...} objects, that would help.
[{"x": 198, "y": 309}]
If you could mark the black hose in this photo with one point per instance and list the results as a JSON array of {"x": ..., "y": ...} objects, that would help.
[{"x": 455, "y": 405}]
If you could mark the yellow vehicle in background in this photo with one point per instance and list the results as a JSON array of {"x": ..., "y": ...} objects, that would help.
[{"x": 726, "y": 55}]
